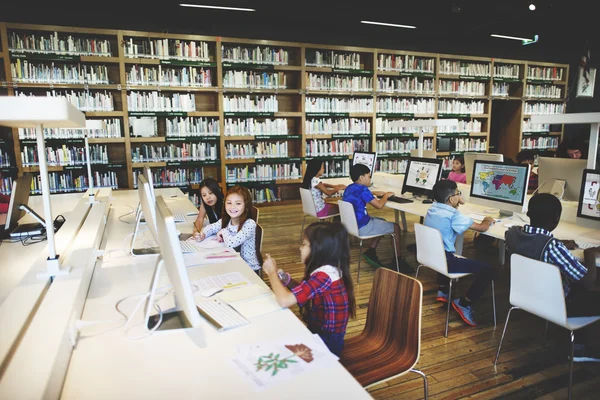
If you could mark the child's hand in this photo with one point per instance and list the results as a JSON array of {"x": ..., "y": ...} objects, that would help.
[
  {"x": 490, "y": 220},
  {"x": 199, "y": 236},
  {"x": 220, "y": 236},
  {"x": 269, "y": 265}
]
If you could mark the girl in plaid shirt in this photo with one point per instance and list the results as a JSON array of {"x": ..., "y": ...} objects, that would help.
[{"x": 326, "y": 293}]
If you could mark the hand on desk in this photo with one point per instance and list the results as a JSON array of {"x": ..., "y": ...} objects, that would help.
[
  {"x": 220, "y": 236},
  {"x": 199, "y": 236},
  {"x": 382, "y": 194}
]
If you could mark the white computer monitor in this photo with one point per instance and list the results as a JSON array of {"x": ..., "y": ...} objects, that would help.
[
  {"x": 588, "y": 208},
  {"x": 561, "y": 177},
  {"x": 150, "y": 179},
  {"x": 501, "y": 186},
  {"x": 470, "y": 157},
  {"x": 147, "y": 201},
  {"x": 421, "y": 174}
]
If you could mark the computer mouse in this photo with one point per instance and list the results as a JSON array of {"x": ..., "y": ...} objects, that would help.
[
  {"x": 427, "y": 201},
  {"x": 209, "y": 292}
]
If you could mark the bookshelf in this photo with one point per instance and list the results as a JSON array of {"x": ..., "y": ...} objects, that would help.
[{"x": 252, "y": 112}]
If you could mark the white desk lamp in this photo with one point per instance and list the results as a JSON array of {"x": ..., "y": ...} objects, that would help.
[
  {"x": 426, "y": 123},
  {"x": 576, "y": 118},
  {"x": 91, "y": 125},
  {"x": 40, "y": 113}
]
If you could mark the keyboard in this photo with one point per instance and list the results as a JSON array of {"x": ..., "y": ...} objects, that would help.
[
  {"x": 220, "y": 314},
  {"x": 179, "y": 218},
  {"x": 187, "y": 247},
  {"x": 397, "y": 199},
  {"x": 584, "y": 246}
]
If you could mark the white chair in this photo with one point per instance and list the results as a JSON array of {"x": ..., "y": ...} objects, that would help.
[
  {"x": 536, "y": 287},
  {"x": 431, "y": 254},
  {"x": 309, "y": 208},
  {"x": 349, "y": 221}
]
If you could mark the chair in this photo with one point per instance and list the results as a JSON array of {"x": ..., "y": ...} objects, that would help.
[
  {"x": 536, "y": 287},
  {"x": 258, "y": 243},
  {"x": 390, "y": 343},
  {"x": 308, "y": 207},
  {"x": 349, "y": 221},
  {"x": 431, "y": 254},
  {"x": 254, "y": 214}
]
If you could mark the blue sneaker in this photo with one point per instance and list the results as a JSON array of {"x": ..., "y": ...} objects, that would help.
[
  {"x": 441, "y": 296},
  {"x": 466, "y": 313}
]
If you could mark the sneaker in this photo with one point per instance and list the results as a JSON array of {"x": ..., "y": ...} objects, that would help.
[
  {"x": 405, "y": 267},
  {"x": 583, "y": 353},
  {"x": 466, "y": 313},
  {"x": 371, "y": 257},
  {"x": 441, "y": 296}
]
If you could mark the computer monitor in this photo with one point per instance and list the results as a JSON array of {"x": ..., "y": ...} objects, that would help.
[
  {"x": 498, "y": 185},
  {"x": 17, "y": 209},
  {"x": 470, "y": 157},
  {"x": 365, "y": 158},
  {"x": 150, "y": 179},
  {"x": 426, "y": 153},
  {"x": 588, "y": 209},
  {"x": 147, "y": 209},
  {"x": 421, "y": 174},
  {"x": 561, "y": 177}
]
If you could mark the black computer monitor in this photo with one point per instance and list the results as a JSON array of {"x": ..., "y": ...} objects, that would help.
[
  {"x": 421, "y": 174},
  {"x": 588, "y": 209}
]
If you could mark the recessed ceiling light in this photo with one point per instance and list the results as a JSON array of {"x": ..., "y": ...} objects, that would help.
[
  {"x": 217, "y": 7},
  {"x": 511, "y": 37},
  {"x": 532, "y": 7},
  {"x": 387, "y": 24}
]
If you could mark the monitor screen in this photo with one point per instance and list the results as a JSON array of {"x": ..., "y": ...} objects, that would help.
[
  {"x": 421, "y": 174},
  {"x": 470, "y": 158},
  {"x": 365, "y": 158},
  {"x": 499, "y": 182},
  {"x": 589, "y": 201}
]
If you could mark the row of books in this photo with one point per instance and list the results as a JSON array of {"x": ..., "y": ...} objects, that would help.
[
  {"x": 392, "y": 166},
  {"x": 411, "y": 106},
  {"x": 393, "y": 126},
  {"x": 166, "y": 49},
  {"x": 507, "y": 71},
  {"x": 405, "y": 85},
  {"x": 528, "y": 126},
  {"x": 159, "y": 76},
  {"x": 338, "y": 105},
  {"x": 550, "y": 91},
  {"x": 342, "y": 83},
  {"x": 28, "y": 72},
  {"x": 113, "y": 130},
  {"x": 461, "y": 107},
  {"x": 105, "y": 179},
  {"x": 255, "y": 55},
  {"x": 258, "y": 150},
  {"x": 405, "y": 63},
  {"x": 472, "y": 126},
  {"x": 154, "y": 101},
  {"x": 468, "y": 144},
  {"x": 336, "y": 147},
  {"x": 468, "y": 88},
  {"x": 399, "y": 146},
  {"x": 265, "y": 195},
  {"x": 332, "y": 59},
  {"x": 254, "y": 80},
  {"x": 254, "y": 127},
  {"x": 336, "y": 168},
  {"x": 5, "y": 159},
  {"x": 67, "y": 182},
  {"x": 172, "y": 176},
  {"x": 544, "y": 108},
  {"x": 545, "y": 73},
  {"x": 455, "y": 67},
  {"x": 64, "y": 155},
  {"x": 84, "y": 101},
  {"x": 263, "y": 172},
  {"x": 500, "y": 89},
  {"x": 250, "y": 104},
  {"x": 180, "y": 152},
  {"x": 6, "y": 185},
  {"x": 338, "y": 126},
  {"x": 24, "y": 42},
  {"x": 548, "y": 142},
  {"x": 192, "y": 126}
]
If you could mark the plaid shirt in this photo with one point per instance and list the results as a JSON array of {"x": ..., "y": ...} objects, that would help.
[
  {"x": 557, "y": 253},
  {"x": 330, "y": 308}
]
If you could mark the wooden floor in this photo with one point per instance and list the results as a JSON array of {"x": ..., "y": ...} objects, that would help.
[{"x": 460, "y": 366}]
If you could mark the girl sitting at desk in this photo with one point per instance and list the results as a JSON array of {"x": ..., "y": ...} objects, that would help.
[
  {"x": 314, "y": 169},
  {"x": 458, "y": 170},
  {"x": 211, "y": 203}
]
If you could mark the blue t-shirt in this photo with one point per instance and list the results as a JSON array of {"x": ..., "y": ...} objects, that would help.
[
  {"x": 359, "y": 195},
  {"x": 449, "y": 221}
]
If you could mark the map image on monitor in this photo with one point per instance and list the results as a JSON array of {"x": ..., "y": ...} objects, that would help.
[{"x": 500, "y": 182}]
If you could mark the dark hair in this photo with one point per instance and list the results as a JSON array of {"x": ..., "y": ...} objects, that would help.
[
  {"x": 358, "y": 170},
  {"x": 214, "y": 187},
  {"x": 525, "y": 155},
  {"x": 312, "y": 169},
  {"x": 245, "y": 193},
  {"x": 571, "y": 144},
  {"x": 443, "y": 189},
  {"x": 544, "y": 211},
  {"x": 330, "y": 245},
  {"x": 461, "y": 160}
]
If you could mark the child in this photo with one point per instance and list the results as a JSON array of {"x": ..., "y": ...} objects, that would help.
[
  {"x": 444, "y": 216},
  {"x": 359, "y": 195},
  {"x": 458, "y": 170},
  {"x": 211, "y": 203},
  {"x": 237, "y": 229},
  {"x": 327, "y": 283},
  {"x": 314, "y": 169},
  {"x": 527, "y": 157}
]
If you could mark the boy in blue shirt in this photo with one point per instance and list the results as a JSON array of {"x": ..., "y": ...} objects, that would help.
[
  {"x": 444, "y": 216},
  {"x": 359, "y": 195}
]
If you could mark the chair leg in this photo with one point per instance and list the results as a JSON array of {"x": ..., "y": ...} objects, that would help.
[
  {"x": 571, "y": 363},
  {"x": 302, "y": 231},
  {"x": 393, "y": 235},
  {"x": 546, "y": 334},
  {"x": 494, "y": 303},
  {"x": 503, "y": 333},
  {"x": 359, "y": 257},
  {"x": 417, "y": 273},
  {"x": 425, "y": 387},
  {"x": 448, "y": 311}
]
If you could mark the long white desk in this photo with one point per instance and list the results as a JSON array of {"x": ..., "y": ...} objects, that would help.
[{"x": 185, "y": 363}]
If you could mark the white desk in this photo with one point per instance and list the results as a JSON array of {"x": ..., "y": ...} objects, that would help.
[{"x": 176, "y": 364}]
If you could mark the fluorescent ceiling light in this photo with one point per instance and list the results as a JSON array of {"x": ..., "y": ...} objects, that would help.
[
  {"x": 386, "y": 24},
  {"x": 217, "y": 7},
  {"x": 512, "y": 37}
]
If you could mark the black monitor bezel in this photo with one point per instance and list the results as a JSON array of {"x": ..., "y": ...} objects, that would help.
[{"x": 416, "y": 190}]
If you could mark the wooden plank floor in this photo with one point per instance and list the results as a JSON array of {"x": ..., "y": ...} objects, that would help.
[{"x": 460, "y": 366}]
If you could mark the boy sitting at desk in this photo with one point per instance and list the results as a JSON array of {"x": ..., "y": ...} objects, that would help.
[
  {"x": 358, "y": 195},
  {"x": 444, "y": 216},
  {"x": 535, "y": 241}
]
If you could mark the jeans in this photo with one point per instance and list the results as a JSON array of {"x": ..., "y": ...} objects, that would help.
[
  {"x": 334, "y": 341},
  {"x": 484, "y": 274}
]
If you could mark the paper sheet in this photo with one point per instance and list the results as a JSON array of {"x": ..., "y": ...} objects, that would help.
[
  {"x": 257, "y": 306},
  {"x": 224, "y": 281},
  {"x": 208, "y": 243}
]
